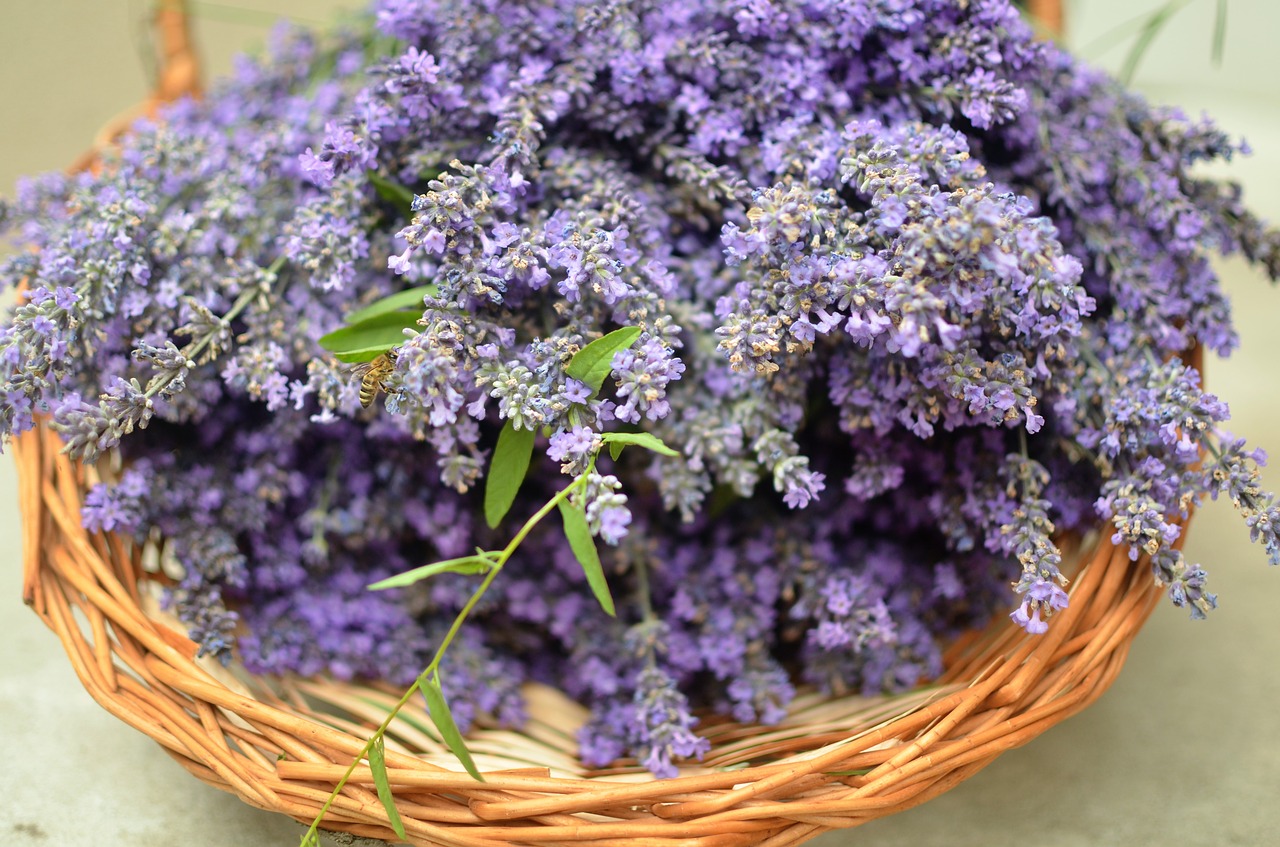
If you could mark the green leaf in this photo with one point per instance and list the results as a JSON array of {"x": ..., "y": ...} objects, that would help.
[
  {"x": 1150, "y": 30},
  {"x": 443, "y": 718},
  {"x": 464, "y": 565},
  {"x": 506, "y": 471},
  {"x": 410, "y": 298},
  {"x": 646, "y": 440},
  {"x": 584, "y": 549},
  {"x": 592, "y": 364},
  {"x": 365, "y": 341},
  {"x": 378, "y": 764},
  {"x": 393, "y": 192},
  {"x": 1219, "y": 33},
  {"x": 615, "y": 450}
]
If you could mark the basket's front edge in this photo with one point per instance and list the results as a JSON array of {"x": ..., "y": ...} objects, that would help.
[{"x": 84, "y": 586}]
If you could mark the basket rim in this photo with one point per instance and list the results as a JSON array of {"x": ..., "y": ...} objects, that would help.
[{"x": 1001, "y": 689}]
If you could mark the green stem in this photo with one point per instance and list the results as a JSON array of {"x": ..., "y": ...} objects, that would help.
[
  {"x": 642, "y": 590},
  {"x": 322, "y": 507},
  {"x": 646, "y": 609},
  {"x": 310, "y": 836},
  {"x": 501, "y": 559},
  {"x": 193, "y": 350},
  {"x": 461, "y": 618}
]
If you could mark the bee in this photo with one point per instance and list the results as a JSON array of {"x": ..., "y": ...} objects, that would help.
[{"x": 371, "y": 375}]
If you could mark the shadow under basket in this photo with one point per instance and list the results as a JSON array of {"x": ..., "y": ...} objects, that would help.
[{"x": 282, "y": 745}]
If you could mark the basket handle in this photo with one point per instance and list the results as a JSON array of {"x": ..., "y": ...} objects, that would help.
[
  {"x": 178, "y": 75},
  {"x": 179, "y": 71},
  {"x": 1048, "y": 15}
]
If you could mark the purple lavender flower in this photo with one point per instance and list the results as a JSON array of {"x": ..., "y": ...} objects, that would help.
[
  {"x": 643, "y": 373},
  {"x": 926, "y": 278}
]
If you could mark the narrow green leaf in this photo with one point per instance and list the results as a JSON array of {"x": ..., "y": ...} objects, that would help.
[
  {"x": 1112, "y": 36},
  {"x": 464, "y": 565},
  {"x": 591, "y": 365},
  {"x": 1150, "y": 30},
  {"x": 369, "y": 339},
  {"x": 439, "y": 711},
  {"x": 394, "y": 193},
  {"x": 409, "y": 299},
  {"x": 506, "y": 471},
  {"x": 646, "y": 440},
  {"x": 378, "y": 764},
  {"x": 1219, "y": 33},
  {"x": 584, "y": 549}
]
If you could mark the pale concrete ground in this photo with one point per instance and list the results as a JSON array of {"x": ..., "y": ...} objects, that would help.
[{"x": 1182, "y": 751}]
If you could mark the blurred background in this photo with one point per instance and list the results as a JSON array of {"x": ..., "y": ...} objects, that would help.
[{"x": 1185, "y": 747}]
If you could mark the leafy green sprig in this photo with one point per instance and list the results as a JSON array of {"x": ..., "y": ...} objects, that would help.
[{"x": 373, "y": 331}]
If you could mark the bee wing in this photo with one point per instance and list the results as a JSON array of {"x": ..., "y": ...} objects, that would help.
[{"x": 359, "y": 369}]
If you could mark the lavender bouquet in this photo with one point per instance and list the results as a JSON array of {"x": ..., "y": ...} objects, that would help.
[{"x": 672, "y": 354}]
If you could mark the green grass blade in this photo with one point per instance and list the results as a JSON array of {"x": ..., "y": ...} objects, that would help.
[
  {"x": 1219, "y": 33},
  {"x": 1150, "y": 30},
  {"x": 1117, "y": 34}
]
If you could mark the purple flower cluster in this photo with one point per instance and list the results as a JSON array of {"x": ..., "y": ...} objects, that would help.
[{"x": 912, "y": 292}]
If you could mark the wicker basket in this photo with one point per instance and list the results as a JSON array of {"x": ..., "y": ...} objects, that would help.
[{"x": 281, "y": 745}]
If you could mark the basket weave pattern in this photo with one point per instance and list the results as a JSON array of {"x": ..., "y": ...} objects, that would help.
[
  {"x": 843, "y": 763},
  {"x": 283, "y": 745}
]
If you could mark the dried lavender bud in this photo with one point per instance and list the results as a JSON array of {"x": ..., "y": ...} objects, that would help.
[{"x": 927, "y": 277}]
